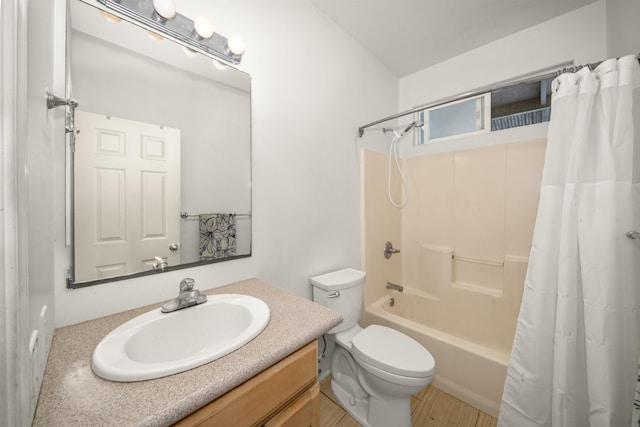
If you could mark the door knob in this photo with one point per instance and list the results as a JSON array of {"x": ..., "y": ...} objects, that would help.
[{"x": 174, "y": 247}]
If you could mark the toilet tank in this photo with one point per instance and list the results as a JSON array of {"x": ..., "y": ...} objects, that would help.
[{"x": 341, "y": 291}]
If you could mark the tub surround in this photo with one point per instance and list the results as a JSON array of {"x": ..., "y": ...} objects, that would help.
[
  {"x": 73, "y": 395},
  {"x": 465, "y": 237}
]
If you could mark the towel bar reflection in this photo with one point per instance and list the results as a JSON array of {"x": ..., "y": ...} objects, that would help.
[
  {"x": 188, "y": 215},
  {"x": 633, "y": 235}
]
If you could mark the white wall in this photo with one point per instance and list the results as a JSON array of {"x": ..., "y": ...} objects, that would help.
[
  {"x": 29, "y": 65},
  {"x": 312, "y": 86},
  {"x": 623, "y": 28}
]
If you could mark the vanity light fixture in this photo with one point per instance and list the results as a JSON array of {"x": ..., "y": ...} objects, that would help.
[
  {"x": 202, "y": 28},
  {"x": 160, "y": 17},
  {"x": 163, "y": 10},
  {"x": 235, "y": 46}
]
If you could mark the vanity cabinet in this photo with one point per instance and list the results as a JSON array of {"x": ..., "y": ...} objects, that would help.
[
  {"x": 285, "y": 395},
  {"x": 304, "y": 411}
]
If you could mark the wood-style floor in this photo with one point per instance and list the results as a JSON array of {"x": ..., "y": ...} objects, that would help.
[{"x": 431, "y": 407}]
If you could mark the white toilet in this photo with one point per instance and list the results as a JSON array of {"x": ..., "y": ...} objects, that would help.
[{"x": 374, "y": 370}]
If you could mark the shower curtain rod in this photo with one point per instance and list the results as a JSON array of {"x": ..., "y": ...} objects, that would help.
[{"x": 485, "y": 89}]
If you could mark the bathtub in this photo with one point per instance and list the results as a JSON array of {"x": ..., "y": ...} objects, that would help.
[{"x": 470, "y": 371}]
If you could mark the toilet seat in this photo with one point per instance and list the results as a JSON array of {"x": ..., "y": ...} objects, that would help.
[
  {"x": 400, "y": 380},
  {"x": 345, "y": 338},
  {"x": 389, "y": 351}
]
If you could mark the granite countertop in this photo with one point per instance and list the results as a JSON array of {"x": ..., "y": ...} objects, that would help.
[{"x": 72, "y": 395}]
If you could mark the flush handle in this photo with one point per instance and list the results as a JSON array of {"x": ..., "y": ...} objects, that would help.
[{"x": 334, "y": 294}]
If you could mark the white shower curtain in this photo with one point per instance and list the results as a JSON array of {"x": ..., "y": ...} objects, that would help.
[{"x": 575, "y": 354}]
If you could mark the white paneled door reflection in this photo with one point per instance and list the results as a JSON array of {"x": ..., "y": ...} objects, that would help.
[{"x": 126, "y": 195}]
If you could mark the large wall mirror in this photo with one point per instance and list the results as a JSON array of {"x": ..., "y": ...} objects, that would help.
[{"x": 161, "y": 171}]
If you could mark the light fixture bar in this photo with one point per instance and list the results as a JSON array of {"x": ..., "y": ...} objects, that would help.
[{"x": 179, "y": 28}]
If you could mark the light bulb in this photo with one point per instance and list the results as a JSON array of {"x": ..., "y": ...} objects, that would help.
[
  {"x": 165, "y": 8},
  {"x": 154, "y": 36},
  {"x": 235, "y": 45},
  {"x": 189, "y": 52},
  {"x": 111, "y": 18},
  {"x": 203, "y": 27},
  {"x": 219, "y": 65}
]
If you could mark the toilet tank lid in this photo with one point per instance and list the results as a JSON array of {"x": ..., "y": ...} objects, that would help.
[{"x": 341, "y": 279}]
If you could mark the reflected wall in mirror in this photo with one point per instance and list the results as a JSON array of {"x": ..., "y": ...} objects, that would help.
[{"x": 160, "y": 130}]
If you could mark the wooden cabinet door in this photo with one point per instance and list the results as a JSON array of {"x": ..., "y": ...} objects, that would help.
[
  {"x": 258, "y": 399},
  {"x": 303, "y": 412}
]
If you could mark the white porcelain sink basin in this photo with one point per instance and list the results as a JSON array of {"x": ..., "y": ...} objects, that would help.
[{"x": 156, "y": 344}]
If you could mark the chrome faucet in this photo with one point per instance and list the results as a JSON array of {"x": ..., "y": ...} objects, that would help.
[
  {"x": 395, "y": 287},
  {"x": 187, "y": 297},
  {"x": 160, "y": 264}
]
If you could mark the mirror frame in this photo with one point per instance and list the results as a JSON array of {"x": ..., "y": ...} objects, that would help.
[{"x": 70, "y": 214}]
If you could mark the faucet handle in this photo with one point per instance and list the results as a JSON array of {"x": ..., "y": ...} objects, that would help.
[
  {"x": 390, "y": 250},
  {"x": 187, "y": 284},
  {"x": 160, "y": 264}
]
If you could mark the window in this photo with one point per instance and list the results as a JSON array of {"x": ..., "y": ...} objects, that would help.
[
  {"x": 521, "y": 105},
  {"x": 469, "y": 116},
  {"x": 512, "y": 106}
]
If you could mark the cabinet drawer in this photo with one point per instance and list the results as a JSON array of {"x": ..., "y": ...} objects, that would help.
[
  {"x": 254, "y": 401},
  {"x": 303, "y": 412}
]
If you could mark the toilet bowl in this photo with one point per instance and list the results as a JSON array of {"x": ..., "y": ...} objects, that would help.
[{"x": 376, "y": 369}]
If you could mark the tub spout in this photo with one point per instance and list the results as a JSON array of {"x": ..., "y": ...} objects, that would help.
[{"x": 395, "y": 287}]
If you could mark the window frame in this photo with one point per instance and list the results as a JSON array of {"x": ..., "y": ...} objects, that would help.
[{"x": 483, "y": 118}]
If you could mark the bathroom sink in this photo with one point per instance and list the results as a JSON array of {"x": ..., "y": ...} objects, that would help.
[{"x": 156, "y": 344}]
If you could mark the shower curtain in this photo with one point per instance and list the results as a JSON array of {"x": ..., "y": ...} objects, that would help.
[{"x": 575, "y": 355}]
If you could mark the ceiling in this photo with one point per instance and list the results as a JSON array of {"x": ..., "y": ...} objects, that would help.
[{"x": 409, "y": 35}]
